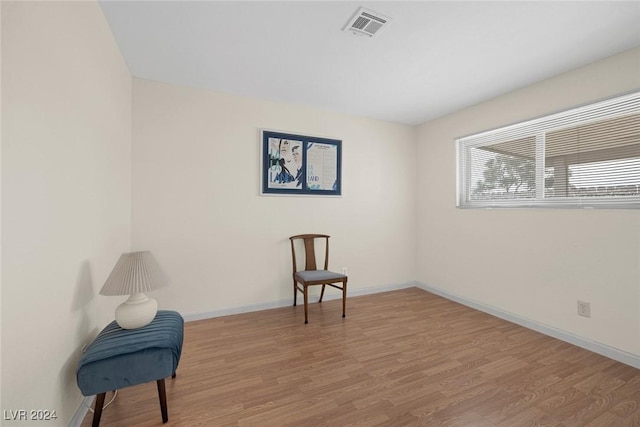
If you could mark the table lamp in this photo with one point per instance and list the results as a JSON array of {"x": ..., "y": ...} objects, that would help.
[{"x": 134, "y": 274}]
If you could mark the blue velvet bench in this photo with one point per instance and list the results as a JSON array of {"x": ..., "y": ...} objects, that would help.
[{"x": 120, "y": 358}]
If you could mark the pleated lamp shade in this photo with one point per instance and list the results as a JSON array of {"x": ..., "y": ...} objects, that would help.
[{"x": 134, "y": 274}]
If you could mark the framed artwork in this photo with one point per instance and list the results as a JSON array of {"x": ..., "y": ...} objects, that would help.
[{"x": 300, "y": 164}]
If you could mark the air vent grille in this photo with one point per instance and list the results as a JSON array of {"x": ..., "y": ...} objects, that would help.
[{"x": 366, "y": 22}]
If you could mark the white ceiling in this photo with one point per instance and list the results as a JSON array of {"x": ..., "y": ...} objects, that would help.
[{"x": 432, "y": 59}]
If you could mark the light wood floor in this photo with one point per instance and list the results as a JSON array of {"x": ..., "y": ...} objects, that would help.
[{"x": 402, "y": 358}]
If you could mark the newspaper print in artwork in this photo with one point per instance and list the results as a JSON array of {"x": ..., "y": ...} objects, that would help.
[{"x": 322, "y": 160}]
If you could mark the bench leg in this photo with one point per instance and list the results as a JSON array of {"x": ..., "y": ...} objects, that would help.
[
  {"x": 162, "y": 394},
  {"x": 97, "y": 410}
]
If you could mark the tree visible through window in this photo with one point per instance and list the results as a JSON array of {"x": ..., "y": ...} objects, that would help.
[{"x": 509, "y": 176}]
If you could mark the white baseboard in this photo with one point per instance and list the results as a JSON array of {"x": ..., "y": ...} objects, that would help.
[
  {"x": 81, "y": 412},
  {"x": 190, "y": 317},
  {"x": 603, "y": 349}
]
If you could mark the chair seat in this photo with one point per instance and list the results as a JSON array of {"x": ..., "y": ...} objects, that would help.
[{"x": 318, "y": 275}]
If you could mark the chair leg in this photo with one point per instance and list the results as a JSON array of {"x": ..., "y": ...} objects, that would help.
[
  {"x": 97, "y": 411},
  {"x": 322, "y": 293},
  {"x": 306, "y": 303},
  {"x": 162, "y": 395},
  {"x": 344, "y": 297},
  {"x": 295, "y": 293}
]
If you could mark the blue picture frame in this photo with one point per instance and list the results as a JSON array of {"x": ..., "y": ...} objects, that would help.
[{"x": 303, "y": 165}]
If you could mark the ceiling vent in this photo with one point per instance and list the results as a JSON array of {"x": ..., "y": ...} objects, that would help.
[{"x": 366, "y": 23}]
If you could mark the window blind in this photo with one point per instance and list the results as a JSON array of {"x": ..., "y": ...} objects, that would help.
[{"x": 584, "y": 157}]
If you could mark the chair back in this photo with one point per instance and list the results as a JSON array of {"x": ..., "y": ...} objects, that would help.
[{"x": 309, "y": 250}]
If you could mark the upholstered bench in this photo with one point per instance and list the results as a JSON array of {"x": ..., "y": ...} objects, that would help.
[{"x": 120, "y": 358}]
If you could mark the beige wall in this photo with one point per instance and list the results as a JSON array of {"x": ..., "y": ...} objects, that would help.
[
  {"x": 1, "y": 25},
  {"x": 66, "y": 210},
  {"x": 196, "y": 201},
  {"x": 533, "y": 263}
]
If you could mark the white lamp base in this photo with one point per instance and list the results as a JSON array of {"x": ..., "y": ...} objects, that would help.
[{"x": 136, "y": 312}]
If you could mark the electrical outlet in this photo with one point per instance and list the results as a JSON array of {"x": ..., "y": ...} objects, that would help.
[
  {"x": 584, "y": 309},
  {"x": 344, "y": 270}
]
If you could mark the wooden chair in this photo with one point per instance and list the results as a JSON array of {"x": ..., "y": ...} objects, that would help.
[{"x": 311, "y": 275}]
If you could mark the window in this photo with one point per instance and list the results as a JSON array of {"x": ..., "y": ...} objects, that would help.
[{"x": 584, "y": 157}]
